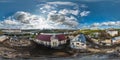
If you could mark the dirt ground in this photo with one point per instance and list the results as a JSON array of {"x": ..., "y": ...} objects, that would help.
[{"x": 28, "y": 49}]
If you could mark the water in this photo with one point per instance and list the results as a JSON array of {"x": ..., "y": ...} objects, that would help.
[{"x": 88, "y": 57}]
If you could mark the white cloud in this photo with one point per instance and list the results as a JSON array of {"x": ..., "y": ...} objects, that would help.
[
  {"x": 49, "y": 7},
  {"x": 71, "y": 21},
  {"x": 110, "y": 23},
  {"x": 84, "y": 13},
  {"x": 94, "y": 0},
  {"x": 24, "y": 17},
  {"x": 51, "y": 16},
  {"x": 52, "y": 12},
  {"x": 10, "y": 22},
  {"x": 56, "y": 17},
  {"x": 5, "y": 1},
  {"x": 63, "y": 15},
  {"x": 25, "y": 20},
  {"x": 96, "y": 25},
  {"x": 61, "y": 3},
  {"x": 83, "y": 6},
  {"x": 66, "y": 11},
  {"x": 62, "y": 19}
]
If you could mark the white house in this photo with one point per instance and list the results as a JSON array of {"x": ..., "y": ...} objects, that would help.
[
  {"x": 112, "y": 32},
  {"x": 79, "y": 42},
  {"x": 116, "y": 40}
]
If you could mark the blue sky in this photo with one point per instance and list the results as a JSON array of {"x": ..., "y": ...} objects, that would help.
[{"x": 59, "y": 14}]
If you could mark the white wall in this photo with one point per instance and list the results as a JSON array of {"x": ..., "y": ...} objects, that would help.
[
  {"x": 78, "y": 45},
  {"x": 113, "y": 33}
]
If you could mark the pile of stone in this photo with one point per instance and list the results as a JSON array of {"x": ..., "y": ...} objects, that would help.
[
  {"x": 3, "y": 38},
  {"x": 25, "y": 48},
  {"x": 19, "y": 44},
  {"x": 115, "y": 54},
  {"x": 12, "y": 53}
]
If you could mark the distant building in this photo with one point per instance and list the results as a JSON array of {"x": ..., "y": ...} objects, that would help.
[
  {"x": 116, "y": 40},
  {"x": 112, "y": 32},
  {"x": 79, "y": 42},
  {"x": 11, "y": 30},
  {"x": 51, "y": 39},
  {"x": 94, "y": 28},
  {"x": 106, "y": 42},
  {"x": 96, "y": 35}
]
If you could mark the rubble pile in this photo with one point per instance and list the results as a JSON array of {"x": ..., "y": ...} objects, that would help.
[{"x": 19, "y": 44}]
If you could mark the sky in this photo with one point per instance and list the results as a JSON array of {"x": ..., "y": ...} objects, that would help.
[{"x": 59, "y": 14}]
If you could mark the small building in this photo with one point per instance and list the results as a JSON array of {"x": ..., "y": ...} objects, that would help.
[
  {"x": 71, "y": 37},
  {"x": 79, "y": 42},
  {"x": 3, "y": 38},
  {"x": 106, "y": 42},
  {"x": 116, "y": 40},
  {"x": 51, "y": 39},
  {"x": 112, "y": 32},
  {"x": 95, "y": 35}
]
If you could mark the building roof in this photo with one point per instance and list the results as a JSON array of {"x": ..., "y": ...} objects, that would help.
[
  {"x": 47, "y": 37},
  {"x": 80, "y": 38}
]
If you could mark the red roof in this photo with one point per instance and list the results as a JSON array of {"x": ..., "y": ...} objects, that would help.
[{"x": 47, "y": 37}]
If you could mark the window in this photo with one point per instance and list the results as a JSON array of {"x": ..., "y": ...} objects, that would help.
[
  {"x": 54, "y": 43},
  {"x": 72, "y": 43},
  {"x": 82, "y": 44},
  {"x": 77, "y": 43}
]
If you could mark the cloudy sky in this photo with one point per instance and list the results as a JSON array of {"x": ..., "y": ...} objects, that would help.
[{"x": 59, "y": 14}]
